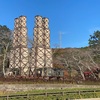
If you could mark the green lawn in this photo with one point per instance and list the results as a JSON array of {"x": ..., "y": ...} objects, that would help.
[{"x": 54, "y": 97}]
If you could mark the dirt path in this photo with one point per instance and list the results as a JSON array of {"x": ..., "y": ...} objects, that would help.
[{"x": 26, "y": 87}]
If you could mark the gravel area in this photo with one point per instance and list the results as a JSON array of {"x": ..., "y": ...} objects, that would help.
[{"x": 26, "y": 87}]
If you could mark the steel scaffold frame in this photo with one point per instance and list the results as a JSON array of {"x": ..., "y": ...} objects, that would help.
[
  {"x": 41, "y": 52},
  {"x": 19, "y": 53}
]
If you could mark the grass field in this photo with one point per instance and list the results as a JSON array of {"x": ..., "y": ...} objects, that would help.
[{"x": 66, "y": 96}]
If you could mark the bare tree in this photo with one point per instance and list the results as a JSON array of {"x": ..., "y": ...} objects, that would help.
[
  {"x": 78, "y": 60},
  {"x": 5, "y": 45}
]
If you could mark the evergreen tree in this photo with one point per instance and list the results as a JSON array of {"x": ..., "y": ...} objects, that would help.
[
  {"x": 94, "y": 40},
  {"x": 94, "y": 43}
]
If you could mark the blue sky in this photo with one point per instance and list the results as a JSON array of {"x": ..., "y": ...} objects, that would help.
[{"x": 74, "y": 19}]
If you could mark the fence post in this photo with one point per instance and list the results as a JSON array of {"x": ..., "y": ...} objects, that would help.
[
  {"x": 46, "y": 94},
  {"x": 94, "y": 93},
  {"x": 79, "y": 92},
  {"x": 27, "y": 96},
  {"x": 62, "y": 93},
  {"x": 7, "y": 97}
]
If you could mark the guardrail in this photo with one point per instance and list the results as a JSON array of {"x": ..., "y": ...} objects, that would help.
[{"x": 62, "y": 93}]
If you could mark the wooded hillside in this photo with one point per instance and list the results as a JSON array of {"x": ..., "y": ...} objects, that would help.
[{"x": 76, "y": 60}]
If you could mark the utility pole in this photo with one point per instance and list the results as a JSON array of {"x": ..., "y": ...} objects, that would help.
[{"x": 60, "y": 39}]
